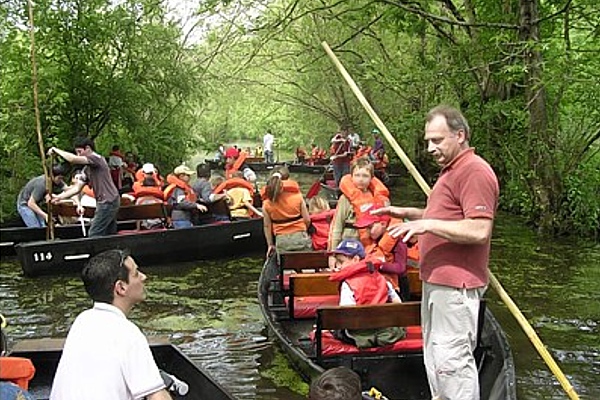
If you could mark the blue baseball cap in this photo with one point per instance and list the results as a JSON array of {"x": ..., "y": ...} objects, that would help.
[{"x": 350, "y": 248}]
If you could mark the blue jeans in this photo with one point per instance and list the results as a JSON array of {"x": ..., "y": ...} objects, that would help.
[
  {"x": 182, "y": 224},
  {"x": 105, "y": 219},
  {"x": 339, "y": 170},
  {"x": 269, "y": 157},
  {"x": 30, "y": 218}
]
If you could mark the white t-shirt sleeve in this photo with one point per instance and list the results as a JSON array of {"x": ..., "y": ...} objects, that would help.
[
  {"x": 346, "y": 295},
  {"x": 140, "y": 372}
]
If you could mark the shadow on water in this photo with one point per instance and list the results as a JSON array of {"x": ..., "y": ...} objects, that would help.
[{"x": 210, "y": 310}]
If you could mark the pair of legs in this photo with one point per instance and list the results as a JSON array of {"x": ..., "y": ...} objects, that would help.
[
  {"x": 449, "y": 319},
  {"x": 339, "y": 170},
  {"x": 269, "y": 157},
  {"x": 105, "y": 218},
  {"x": 30, "y": 218}
]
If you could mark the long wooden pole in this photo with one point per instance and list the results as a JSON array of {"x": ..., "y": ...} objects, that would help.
[
  {"x": 38, "y": 128},
  {"x": 527, "y": 328}
]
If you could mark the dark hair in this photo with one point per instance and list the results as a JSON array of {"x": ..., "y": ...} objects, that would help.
[
  {"x": 454, "y": 119},
  {"x": 363, "y": 162},
  {"x": 115, "y": 147},
  {"x": 202, "y": 171},
  {"x": 338, "y": 383},
  {"x": 101, "y": 273},
  {"x": 81, "y": 143},
  {"x": 59, "y": 169},
  {"x": 274, "y": 186}
]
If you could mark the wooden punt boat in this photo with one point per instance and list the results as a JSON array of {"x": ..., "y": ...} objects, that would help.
[
  {"x": 149, "y": 247},
  {"x": 45, "y": 354},
  {"x": 292, "y": 304}
]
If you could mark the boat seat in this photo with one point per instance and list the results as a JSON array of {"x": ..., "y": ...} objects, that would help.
[
  {"x": 306, "y": 307},
  {"x": 18, "y": 370},
  {"x": 330, "y": 346}
]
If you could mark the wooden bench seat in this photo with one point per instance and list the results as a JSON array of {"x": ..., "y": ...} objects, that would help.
[{"x": 126, "y": 213}]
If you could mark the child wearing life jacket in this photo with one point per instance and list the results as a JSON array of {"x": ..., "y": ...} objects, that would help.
[
  {"x": 286, "y": 218},
  {"x": 239, "y": 196},
  {"x": 390, "y": 252},
  {"x": 360, "y": 191},
  {"x": 362, "y": 284},
  {"x": 180, "y": 195},
  {"x": 320, "y": 221},
  {"x": 235, "y": 161}
]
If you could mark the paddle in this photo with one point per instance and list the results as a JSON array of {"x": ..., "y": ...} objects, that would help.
[{"x": 527, "y": 328}]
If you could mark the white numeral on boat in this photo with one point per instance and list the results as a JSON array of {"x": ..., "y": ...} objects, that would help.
[
  {"x": 241, "y": 236},
  {"x": 38, "y": 257}
]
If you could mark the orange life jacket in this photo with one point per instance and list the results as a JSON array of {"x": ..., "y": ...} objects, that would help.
[
  {"x": 321, "y": 222},
  {"x": 369, "y": 286},
  {"x": 382, "y": 162},
  {"x": 229, "y": 170},
  {"x": 288, "y": 185},
  {"x": 175, "y": 182},
  {"x": 377, "y": 193},
  {"x": 285, "y": 213},
  {"x": 17, "y": 370},
  {"x": 232, "y": 183},
  {"x": 140, "y": 190}
]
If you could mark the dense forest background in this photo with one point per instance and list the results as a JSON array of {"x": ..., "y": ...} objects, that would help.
[{"x": 166, "y": 79}]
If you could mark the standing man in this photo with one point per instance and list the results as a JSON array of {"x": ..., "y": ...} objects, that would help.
[
  {"x": 268, "y": 140},
  {"x": 455, "y": 232},
  {"x": 340, "y": 156},
  {"x": 105, "y": 355},
  {"x": 97, "y": 173},
  {"x": 33, "y": 194}
]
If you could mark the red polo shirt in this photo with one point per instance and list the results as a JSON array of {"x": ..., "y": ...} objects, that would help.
[{"x": 467, "y": 188}]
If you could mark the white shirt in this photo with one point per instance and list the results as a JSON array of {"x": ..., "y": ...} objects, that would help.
[
  {"x": 354, "y": 139},
  {"x": 105, "y": 356},
  {"x": 268, "y": 142},
  {"x": 347, "y": 294}
]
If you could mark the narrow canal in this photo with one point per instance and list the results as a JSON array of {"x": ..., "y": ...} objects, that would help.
[{"x": 210, "y": 310}]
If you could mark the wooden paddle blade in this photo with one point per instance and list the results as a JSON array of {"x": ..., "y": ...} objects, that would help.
[{"x": 313, "y": 190}]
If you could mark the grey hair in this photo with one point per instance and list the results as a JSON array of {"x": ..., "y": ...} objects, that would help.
[{"x": 454, "y": 118}]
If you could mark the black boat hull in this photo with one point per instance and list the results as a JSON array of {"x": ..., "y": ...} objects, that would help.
[
  {"x": 399, "y": 375},
  {"x": 45, "y": 355},
  {"x": 148, "y": 248}
]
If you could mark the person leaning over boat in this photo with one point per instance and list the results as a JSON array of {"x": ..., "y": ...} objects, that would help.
[
  {"x": 105, "y": 355},
  {"x": 97, "y": 174},
  {"x": 362, "y": 284},
  {"x": 180, "y": 195},
  {"x": 454, "y": 230},
  {"x": 34, "y": 193},
  {"x": 360, "y": 191},
  {"x": 286, "y": 217}
]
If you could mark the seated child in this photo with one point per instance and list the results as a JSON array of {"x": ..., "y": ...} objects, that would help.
[
  {"x": 362, "y": 284},
  {"x": 320, "y": 219},
  {"x": 240, "y": 200},
  {"x": 390, "y": 252}
]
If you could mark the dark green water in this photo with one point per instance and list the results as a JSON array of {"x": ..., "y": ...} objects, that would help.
[{"x": 210, "y": 309}]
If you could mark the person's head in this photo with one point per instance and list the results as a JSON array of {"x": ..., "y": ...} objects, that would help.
[
  {"x": 238, "y": 174},
  {"x": 216, "y": 180},
  {"x": 376, "y": 225},
  {"x": 348, "y": 252},
  {"x": 113, "y": 277},
  {"x": 202, "y": 171},
  {"x": 115, "y": 148},
  {"x": 274, "y": 186},
  {"x": 284, "y": 171},
  {"x": 338, "y": 383},
  {"x": 59, "y": 172},
  {"x": 183, "y": 173},
  {"x": 83, "y": 146},
  {"x": 362, "y": 172},
  {"x": 447, "y": 133},
  {"x": 230, "y": 155},
  {"x": 317, "y": 204}
]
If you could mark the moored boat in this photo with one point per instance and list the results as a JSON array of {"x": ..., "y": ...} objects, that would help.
[
  {"x": 45, "y": 355},
  {"x": 292, "y": 304}
]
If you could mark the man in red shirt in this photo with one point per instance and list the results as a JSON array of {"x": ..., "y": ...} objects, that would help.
[{"x": 455, "y": 232}]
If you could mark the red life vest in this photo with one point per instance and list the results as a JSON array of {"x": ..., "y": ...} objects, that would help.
[
  {"x": 140, "y": 190},
  {"x": 288, "y": 185},
  {"x": 321, "y": 222},
  {"x": 232, "y": 183},
  {"x": 368, "y": 285},
  {"x": 17, "y": 370},
  {"x": 175, "y": 182},
  {"x": 230, "y": 169},
  {"x": 377, "y": 193}
]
